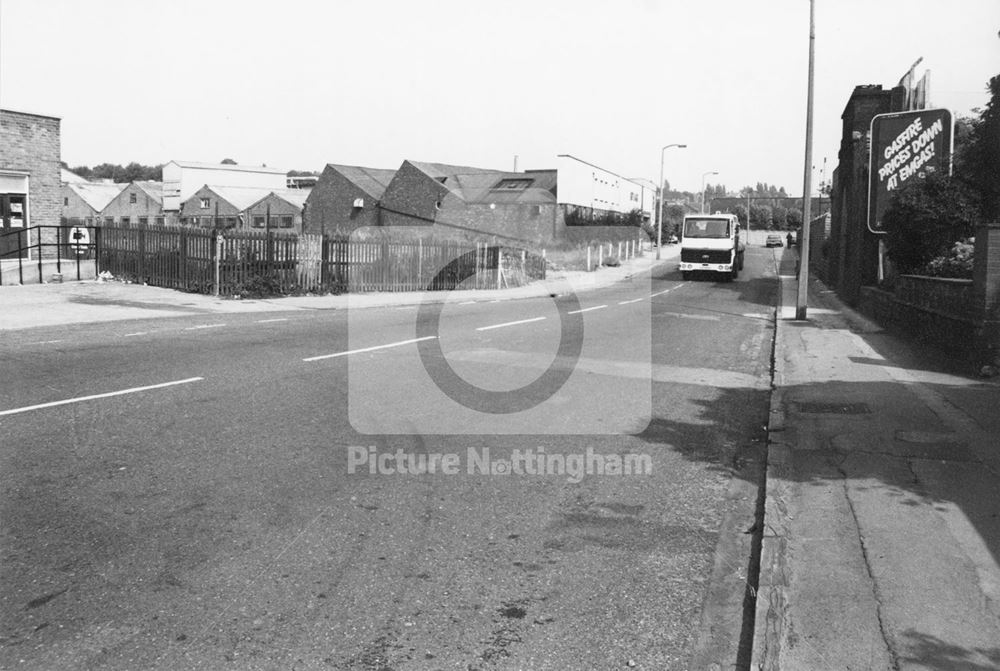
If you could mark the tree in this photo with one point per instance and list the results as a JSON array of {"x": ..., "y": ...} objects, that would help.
[
  {"x": 780, "y": 214},
  {"x": 925, "y": 217},
  {"x": 977, "y": 155}
]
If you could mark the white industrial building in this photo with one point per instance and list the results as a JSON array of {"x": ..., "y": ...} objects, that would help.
[
  {"x": 586, "y": 185},
  {"x": 181, "y": 179}
]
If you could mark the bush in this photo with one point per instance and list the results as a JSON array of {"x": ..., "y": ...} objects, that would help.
[
  {"x": 957, "y": 262},
  {"x": 924, "y": 218}
]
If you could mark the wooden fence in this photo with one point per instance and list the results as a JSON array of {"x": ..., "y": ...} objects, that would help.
[{"x": 258, "y": 262}]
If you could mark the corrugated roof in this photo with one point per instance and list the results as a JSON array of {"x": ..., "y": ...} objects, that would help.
[
  {"x": 480, "y": 187},
  {"x": 296, "y": 197},
  {"x": 372, "y": 181},
  {"x": 224, "y": 166},
  {"x": 96, "y": 196}
]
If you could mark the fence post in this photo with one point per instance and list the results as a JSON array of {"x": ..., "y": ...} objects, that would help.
[
  {"x": 588, "y": 257},
  {"x": 600, "y": 255},
  {"x": 619, "y": 250},
  {"x": 420, "y": 263},
  {"x": 20, "y": 261},
  {"x": 499, "y": 264},
  {"x": 218, "y": 261}
]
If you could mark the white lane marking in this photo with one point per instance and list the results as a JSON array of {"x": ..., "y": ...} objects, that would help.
[
  {"x": 129, "y": 335},
  {"x": 369, "y": 349},
  {"x": 467, "y": 303},
  {"x": 596, "y": 307},
  {"x": 660, "y": 293},
  {"x": 78, "y": 399},
  {"x": 634, "y": 300},
  {"x": 268, "y": 321},
  {"x": 203, "y": 326},
  {"x": 45, "y": 342},
  {"x": 500, "y": 326}
]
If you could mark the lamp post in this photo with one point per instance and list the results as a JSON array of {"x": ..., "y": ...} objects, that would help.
[
  {"x": 659, "y": 200},
  {"x": 801, "y": 298},
  {"x": 703, "y": 189}
]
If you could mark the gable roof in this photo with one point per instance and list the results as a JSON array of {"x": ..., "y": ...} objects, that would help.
[
  {"x": 244, "y": 197},
  {"x": 372, "y": 181},
  {"x": 97, "y": 196},
  {"x": 152, "y": 189},
  {"x": 447, "y": 174}
]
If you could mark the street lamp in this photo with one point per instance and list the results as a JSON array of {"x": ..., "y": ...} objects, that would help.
[
  {"x": 703, "y": 189},
  {"x": 659, "y": 200}
]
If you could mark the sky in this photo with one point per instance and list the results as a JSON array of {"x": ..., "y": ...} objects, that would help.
[{"x": 296, "y": 85}]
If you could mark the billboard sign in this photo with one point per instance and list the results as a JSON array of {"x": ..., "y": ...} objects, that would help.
[{"x": 905, "y": 146}]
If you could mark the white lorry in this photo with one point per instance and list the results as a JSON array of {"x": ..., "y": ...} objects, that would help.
[{"x": 711, "y": 243}]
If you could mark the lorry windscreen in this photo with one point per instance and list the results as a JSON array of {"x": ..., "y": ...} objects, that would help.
[{"x": 706, "y": 228}]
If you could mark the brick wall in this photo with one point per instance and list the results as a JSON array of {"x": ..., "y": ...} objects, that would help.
[
  {"x": 31, "y": 143},
  {"x": 280, "y": 209},
  {"x": 330, "y": 206},
  {"x": 144, "y": 206},
  {"x": 962, "y": 316},
  {"x": 412, "y": 198}
]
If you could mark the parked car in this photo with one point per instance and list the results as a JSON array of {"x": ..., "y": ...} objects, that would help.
[{"x": 774, "y": 241}]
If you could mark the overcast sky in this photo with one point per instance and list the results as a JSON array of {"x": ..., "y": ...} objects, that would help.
[{"x": 300, "y": 84}]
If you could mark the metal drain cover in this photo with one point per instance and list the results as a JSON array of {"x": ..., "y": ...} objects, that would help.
[{"x": 834, "y": 408}]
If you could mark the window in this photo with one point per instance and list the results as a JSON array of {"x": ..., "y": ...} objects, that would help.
[
  {"x": 513, "y": 184},
  {"x": 204, "y": 203},
  {"x": 159, "y": 221},
  {"x": 125, "y": 221},
  {"x": 144, "y": 221},
  {"x": 286, "y": 222},
  {"x": 258, "y": 221},
  {"x": 230, "y": 222},
  {"x": 65, "y": 201},
  {"x": 132, "y": 198},
  {"x": 108, "y": 221}
]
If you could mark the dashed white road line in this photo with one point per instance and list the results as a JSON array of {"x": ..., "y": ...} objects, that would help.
[
  {"x": 268, "y": 321},
  {"x": 500, "y": 326},
  {"x": 596, "y": 307},
  {"x": 78, "y": 399},
  {"x": 634, "y": 300},
  {"x": 468, "y": 302},
  {"x": 130, "y": 335},
  {"x": 203, "y": 326},
  {"x": 368, "y": 349},
  {"x": 660, "y": 293},
  {"x": 46, "y": 342}
]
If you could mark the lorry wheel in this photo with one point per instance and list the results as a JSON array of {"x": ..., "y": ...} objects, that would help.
[
  {"x": 686, "y": 274},
  {"x": 741, "y": 262}
]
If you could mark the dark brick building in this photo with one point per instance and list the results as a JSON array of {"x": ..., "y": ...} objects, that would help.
[
  {"x": 852, "y": 253},
  {"x": 345, "y": 198},
  {"x": 30, "y": 155}
]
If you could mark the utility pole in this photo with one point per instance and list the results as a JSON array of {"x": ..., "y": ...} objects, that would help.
[
  {"x": 803, "y": 292},
  {"x": 659, "y": 200}
]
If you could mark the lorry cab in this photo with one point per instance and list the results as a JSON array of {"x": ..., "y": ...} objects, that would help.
[{"x": 711, "y": 243}]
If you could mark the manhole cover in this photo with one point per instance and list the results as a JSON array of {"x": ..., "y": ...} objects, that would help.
[{"x": 834, "y": 408}]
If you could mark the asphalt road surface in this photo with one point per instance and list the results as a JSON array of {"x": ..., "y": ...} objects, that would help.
[{"x": 178, "y": 493}]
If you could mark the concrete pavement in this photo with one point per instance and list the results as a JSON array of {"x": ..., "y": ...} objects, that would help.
[
  {"x": 95, "y": 301},
  {"x": 882, "y": 522}
]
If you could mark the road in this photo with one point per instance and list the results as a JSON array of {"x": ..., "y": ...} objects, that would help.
[{"x": 176, "y": 492}]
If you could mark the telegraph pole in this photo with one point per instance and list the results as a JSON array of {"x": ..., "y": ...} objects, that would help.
[{"x": 803, "y": 293}]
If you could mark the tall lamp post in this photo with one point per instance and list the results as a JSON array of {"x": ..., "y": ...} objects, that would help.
[
  {"x": 703, "y": 189},
  {"x": 659, "y": 200}
]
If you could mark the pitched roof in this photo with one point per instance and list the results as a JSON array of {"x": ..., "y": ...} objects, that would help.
[
  {"x": 70, "y": 177},
  {"x": 372, "y": 181},
  {"x": 447, "y": 174},
  {"x": 97, "y": 196},
  {"x": 228, "y": 166},
  {"x": 240, "y": 197},
  {"x": 245, "y": 197},
  {"x": 482, "y": 187},
  {"x": 152, "y": 189}
]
